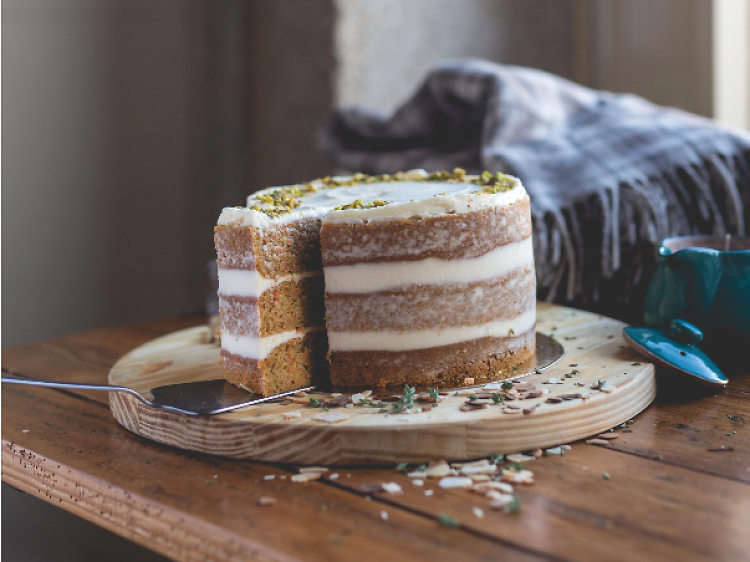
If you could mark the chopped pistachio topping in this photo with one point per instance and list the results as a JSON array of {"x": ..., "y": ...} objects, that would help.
[
  {"x": 359, "y": 205},
  {"x": 495, "y": 183},
  {"x": 284, "y": 199}
]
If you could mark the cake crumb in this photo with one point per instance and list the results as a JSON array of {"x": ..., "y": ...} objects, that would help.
[{"x": 266, "y": 500}]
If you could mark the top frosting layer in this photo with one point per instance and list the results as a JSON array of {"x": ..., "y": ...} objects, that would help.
[{"x": 377, "y": 200}]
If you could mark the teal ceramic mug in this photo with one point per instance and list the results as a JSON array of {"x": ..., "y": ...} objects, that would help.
[{"x": 706, "y": 281}]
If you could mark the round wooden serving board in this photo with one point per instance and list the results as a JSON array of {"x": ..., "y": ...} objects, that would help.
[{"x": 593, "y": 347}]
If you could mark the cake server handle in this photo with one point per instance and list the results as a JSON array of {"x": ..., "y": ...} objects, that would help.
[{"x": 75, "y": 386}]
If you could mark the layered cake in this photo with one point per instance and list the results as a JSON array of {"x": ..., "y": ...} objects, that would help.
[{"x": 428, "y": 279}]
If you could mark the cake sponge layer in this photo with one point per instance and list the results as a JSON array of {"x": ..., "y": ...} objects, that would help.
[{"x": 483, "y": 360}]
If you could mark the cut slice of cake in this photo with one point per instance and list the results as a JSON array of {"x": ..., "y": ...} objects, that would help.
[
  {"x": 271, "y": 306},
  {"x": 429, "y": 278}
]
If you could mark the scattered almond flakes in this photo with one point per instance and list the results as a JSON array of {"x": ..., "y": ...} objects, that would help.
[
  {"x": 306, "y": 476},
  {"x": 610, "y": 435},
  {"x": 478, "y": 513},
  {"x": 450, "y": 482},
  {"x": 437, "y": 470},
  {"x": 392, "y": 488},
  {"x": 597, "y": 442},
  {"x": 364, "y": 395},
  {"x": 554, "y": 451},
  {"x": 292, "y": 415},
  {"x": 493, "y": 485},
  {"x": 384, "y": 515},
  {"x": 501, "y": 501},
  {"x": 266, "y": 500},
  {"x": 334, "y": 476},
  {"x": 417, "y": 474},
  {"x": 471, "y": 406},
  {"x": 418, "y": 482},
  {"x": 428, "y": 492},
  {"x": 518, "y": 458},
  {"x": 480, "y": 477},
  {"x": 481, "y": 462},
  {"x": 518, "y": 477},
  {"x": 481, "y": 469},
  {"x": 536, "y": 453},
  {"x": 269, "y": 477},
  {"x": 331, "y": 417},
  {"x": 507, "y": 410}
]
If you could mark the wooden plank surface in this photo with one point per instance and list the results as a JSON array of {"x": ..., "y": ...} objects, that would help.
[{"x": 689, "y": 504}]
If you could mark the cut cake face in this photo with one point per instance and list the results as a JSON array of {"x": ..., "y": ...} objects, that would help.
[{"x": 428, "y": 279}]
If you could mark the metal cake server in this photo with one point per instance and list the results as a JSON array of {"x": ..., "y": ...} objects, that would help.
[{"x": 214, "y": 396}]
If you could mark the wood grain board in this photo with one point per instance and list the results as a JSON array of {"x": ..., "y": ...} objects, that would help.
[{"x": 594, "y": 347}]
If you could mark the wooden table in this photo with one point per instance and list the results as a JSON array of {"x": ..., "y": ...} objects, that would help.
[{"x": 660, "y": 491}]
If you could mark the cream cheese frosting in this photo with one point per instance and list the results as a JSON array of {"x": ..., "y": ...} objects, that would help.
[
  {"x": 260, "y": 348},
  {"x": 250, "y": 283}
]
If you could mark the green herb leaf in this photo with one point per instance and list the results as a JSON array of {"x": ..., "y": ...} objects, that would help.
[
  {"x": 514, "y": 506},
  {"x": 402, "y": 466},
  {"x": 606, "y": 476},
  {"x": 315, "y": 403},
  {"x": 434, "y": 394},
  {"x": 507, "y": 384},
  {"x": 448, "y": 521},
  {"x": 497, "y": 399}
]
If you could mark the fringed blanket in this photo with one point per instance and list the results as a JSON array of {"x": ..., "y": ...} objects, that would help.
[{"x": 609, "y": 175}]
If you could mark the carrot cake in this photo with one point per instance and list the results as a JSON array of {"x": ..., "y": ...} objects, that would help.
[{"x": 413, "y": 278}]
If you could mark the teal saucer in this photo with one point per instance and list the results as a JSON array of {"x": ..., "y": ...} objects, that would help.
[{"x": 676, "y": 351}]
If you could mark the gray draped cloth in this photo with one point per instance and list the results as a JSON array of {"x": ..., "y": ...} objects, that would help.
[{"x": 609, "y": 175}]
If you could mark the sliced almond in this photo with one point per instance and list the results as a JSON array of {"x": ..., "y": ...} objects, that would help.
[
  {"x": 306, "y": 476},
  {"x": 392, "y": 488},
  {"x": 331, "y": 417},
  {"x": 610, "y": 435},
  {"x": 266, "y": 500},
  {"x": 501, "y": 502},
  {"x": 519, "y": 458},
  {"x": 450, "y": 482},
  {"x": 597, "y": 442},
  {"x": 483, "y": 487},
  {"x": 483, "y": 469},
  {"x": 437, "y": 470}
]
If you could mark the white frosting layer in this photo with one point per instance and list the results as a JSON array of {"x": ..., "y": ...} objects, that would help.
[
  {"x": 423, "y": 339},
  {"x": 386, "y": 276},
  {"x": 249, "y": 283},
  {"x": 259, "y": 348},
  {"x": 407, "y": 199}
]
